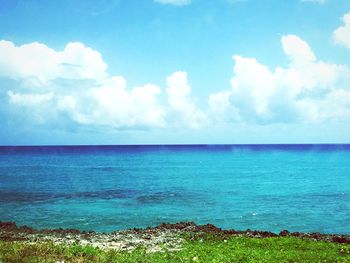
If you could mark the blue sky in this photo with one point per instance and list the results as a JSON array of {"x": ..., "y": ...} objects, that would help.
[{"x": 174, "y": 71}]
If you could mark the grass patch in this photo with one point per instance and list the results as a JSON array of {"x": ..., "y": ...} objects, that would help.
[{"x": 196, "y": 248}]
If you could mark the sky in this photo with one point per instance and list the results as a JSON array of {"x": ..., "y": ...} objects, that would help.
[{"x": 174, "y": 71}]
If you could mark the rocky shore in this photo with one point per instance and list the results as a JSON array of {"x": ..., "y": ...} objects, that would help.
[{"x": 164, "y": 236}]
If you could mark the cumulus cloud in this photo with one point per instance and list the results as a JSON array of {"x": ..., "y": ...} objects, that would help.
[
  {"x": 297, "y": 50},
  {"x": 111, "y": 104},
  {"x": 342, "y": 34},
  {"x": 178, "y": 97},
  {"x": 174, "y": 2},
  {"x": 37, "y": 62},
  {"x": 29, "y": 99},
  {"x": 304, "y": 91},
  {"x": 73, "y": 87},
  {"x": 73, "y": 84}
]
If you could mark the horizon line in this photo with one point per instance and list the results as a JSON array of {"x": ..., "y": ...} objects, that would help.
[{"x": 170, "y": 144}]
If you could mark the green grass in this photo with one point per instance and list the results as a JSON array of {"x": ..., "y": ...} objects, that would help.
[{"x": 204, "y": 248}]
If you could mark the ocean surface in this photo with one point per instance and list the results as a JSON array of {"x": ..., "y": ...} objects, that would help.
[{"x": 105, "y": 188}]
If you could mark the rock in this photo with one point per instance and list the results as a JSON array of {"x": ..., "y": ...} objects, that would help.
[
  {"x": 231, "y": 232},
  {"x": 8, "y": 226},
  {"x": 209, "y": 228},
  {"x": 317, "y": 236},
  {"x": 178, "y": 226},
  {"x": 26, "y": 229},
  {"x": 284, "y": 233},
  {"x": 266, "y": 234},
  {"x": 341, "y": 239},
  {"x": 297, "y": 234},
  {"x": 167, "y": 234}
]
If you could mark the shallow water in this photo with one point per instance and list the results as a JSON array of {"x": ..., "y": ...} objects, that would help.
[{"x": 266, "y": 187}]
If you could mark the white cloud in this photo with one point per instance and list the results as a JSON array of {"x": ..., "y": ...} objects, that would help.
[
  {"x": 342, "y": 34},
  {"x": 74, "y": 84},
  {"x": 29, "y": 99},
  {"x": 304, "y": 91},
  {"x": 221, "y": 109},
  {"x": 178, "y": 97},
  {"x": 73, "y": 87},
  {"x": 41, "y": 64},
  {"x": 174, "y": 2},
  {"x": 297, "y": 50},
  {"x": 111, "y": 104},
  {"x": 35, "y": 108}
]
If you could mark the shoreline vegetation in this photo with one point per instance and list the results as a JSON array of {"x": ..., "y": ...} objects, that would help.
[{"x": 179, "y": 242}]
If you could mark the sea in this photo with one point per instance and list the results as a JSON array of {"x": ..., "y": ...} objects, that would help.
[{"x": 303, "y": 188}]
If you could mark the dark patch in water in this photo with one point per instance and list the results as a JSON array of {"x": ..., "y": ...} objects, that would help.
[
  {"x": 45, "y": 196},
  {"x": 142, "y": 199},
  {"x": 167, "y": 196},
  {"x": 155, "y": 198},
  {"x": 108, "y": 194},
  {"x": 329, "y": 195},
  {"x": 24, "y": 197}
]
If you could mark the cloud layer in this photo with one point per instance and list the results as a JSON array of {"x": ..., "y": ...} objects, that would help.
[
  {"x": 72, "y": 88},
  {"x": 308, "y": 90},
  {"x": 73, "y": 84}
]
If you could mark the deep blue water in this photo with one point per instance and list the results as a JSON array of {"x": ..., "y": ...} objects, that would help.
[{"x": 105, "y": 188}]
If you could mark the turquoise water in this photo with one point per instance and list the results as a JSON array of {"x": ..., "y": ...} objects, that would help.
[{"x": 265, "y": 187}]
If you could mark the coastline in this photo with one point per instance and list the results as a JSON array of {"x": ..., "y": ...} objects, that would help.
[
  {"x": 180, "y": 242},
  {"x": 152, "y": 238}
]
